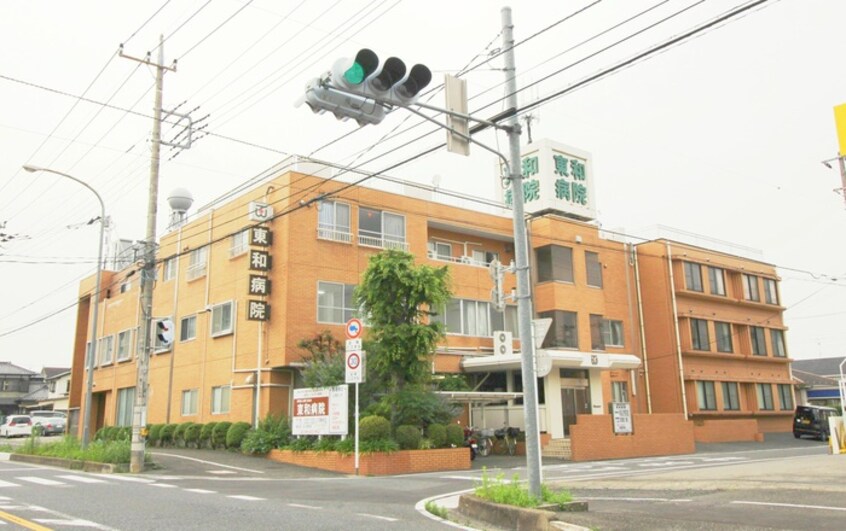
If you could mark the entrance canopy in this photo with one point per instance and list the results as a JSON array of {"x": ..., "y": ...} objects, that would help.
[
  {"x": 563, "y": 359},
  {"x": 478, "y": 397}
]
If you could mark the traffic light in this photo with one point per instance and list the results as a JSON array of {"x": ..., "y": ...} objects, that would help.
[{"x": 365, "y": 89}]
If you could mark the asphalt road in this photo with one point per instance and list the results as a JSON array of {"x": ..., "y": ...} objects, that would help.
[{"x": 780, "y": 484}]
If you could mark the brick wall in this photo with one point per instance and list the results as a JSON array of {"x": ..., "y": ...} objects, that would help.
[
  {"x": 402, "y": 462},
  {"x": 726, "y": 430},
  {"x": 592, "y": 437}
]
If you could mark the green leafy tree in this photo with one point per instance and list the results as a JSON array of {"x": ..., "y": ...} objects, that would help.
[
  {"x": 396, "y": 295},
  {"x": 324, "y": 363}
]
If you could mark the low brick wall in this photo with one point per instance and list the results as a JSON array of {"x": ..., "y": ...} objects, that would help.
[
  {"x": 592, "y": 437},
  {"x": 382, "y": 464},
  {"x": 726, "y": 430}
]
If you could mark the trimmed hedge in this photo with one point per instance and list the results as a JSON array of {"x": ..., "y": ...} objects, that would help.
[
  {"x": 154, "y": 433},
  {"x": 206, "y": 433},
  {"x": 218, "y": 438},
  {"x": 192, "y": 434},
  {"x": 235, "y": 434},
  {"x": 437, "y": 433},
  {"x": 374, "y": 428},
  {"x": 166, "y": 435},
  {"x": 454, "y": 435},
  {"x": 408, "y": 437}
]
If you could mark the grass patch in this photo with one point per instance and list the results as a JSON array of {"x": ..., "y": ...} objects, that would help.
[
  {"x": 437, "y": 510},
  {"x": 497, "y": 490},
  {"x": 113, "y": 452}
]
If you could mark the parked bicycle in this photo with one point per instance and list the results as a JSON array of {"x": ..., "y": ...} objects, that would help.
[{"x": 501, "y": 441}]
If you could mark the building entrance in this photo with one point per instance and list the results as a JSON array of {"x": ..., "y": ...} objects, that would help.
[{"x": 575, "y": 396}]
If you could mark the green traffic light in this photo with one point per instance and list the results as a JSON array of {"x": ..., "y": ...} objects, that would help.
[{"x": 354, "y": 74}]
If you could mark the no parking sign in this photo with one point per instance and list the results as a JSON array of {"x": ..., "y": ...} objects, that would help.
[{"x": 355, "y": 366}]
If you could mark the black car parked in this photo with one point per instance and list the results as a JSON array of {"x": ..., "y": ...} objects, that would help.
[{"x": 812, "y": 420}]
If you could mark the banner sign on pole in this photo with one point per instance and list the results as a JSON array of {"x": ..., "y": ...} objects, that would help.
[{"x": 320, "y": 411}]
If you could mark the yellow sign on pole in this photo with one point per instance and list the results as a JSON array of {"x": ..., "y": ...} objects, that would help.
[{"x": 840, "y": 124}]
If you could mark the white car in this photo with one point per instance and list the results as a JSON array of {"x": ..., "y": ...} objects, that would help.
[{"x": 16, "y": 426}]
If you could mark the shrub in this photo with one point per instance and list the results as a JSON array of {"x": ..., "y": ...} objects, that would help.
[
  {"x": 374, "y": 428},
  {"x": 192, "y": 434},
  {"x": 454, "y": 435},
  {"x": 437, "y": 433},
  {"x": 154, "y": 433},
  {"x": 515, "y": 493},
  {"x": 166, "y": 435},
  {"x": 378, "y": 446},
  {"x": 408, "y": 437},
  {"x": 345, "y": 446},
  {"x": 179, "y": 434},
  {"x": 124, "y": 433},
  {"x": 206, "y": 433},
  {"x": 218, "y": 438},
  {"x": 301, "y": 444},
  {"x": 235, "y": 434}
]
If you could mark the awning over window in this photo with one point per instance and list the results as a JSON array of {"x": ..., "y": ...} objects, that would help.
[
  {"x": 478, "y": 397},
  {"x": 562, "y": 359}
]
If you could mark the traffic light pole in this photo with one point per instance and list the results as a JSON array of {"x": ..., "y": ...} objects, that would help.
[{"x": 148, "y": 272}]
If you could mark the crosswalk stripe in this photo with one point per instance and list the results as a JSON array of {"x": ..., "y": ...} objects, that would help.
[
  {"x": 40, "y": 481},
  {"x": 83, "y": 479},
  {"x": 247, "y": 498},
  {"x": 7, "y": 484},
  {"x": 201, "y": 491}
]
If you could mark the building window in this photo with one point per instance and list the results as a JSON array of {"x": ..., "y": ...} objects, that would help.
[
  {"x": 440, "y": 251},
  {"x": 594, "y": 269},
  {"x": 517, "y": 387},
  {"x": 724, "y": 342},
  {"x": 484, "y": 258},
  {"x": 554, "y": 263},
  {"x": 604, "y": 332},
  {"x": 197, "y": 262},
  {"x": 717, "y": 280},
  {"x": 221, "y": 318},
  {"x": 759, "y": 345},
  {"x": 335, "y": 302},
  {"x": 105, "y": 349},
  {"x": 125, "y": 404},
  {"x": 785, "y": 396},
  {"x": 239, "y": 243},
  {"x": 188, "y": 328},
  {"x": 87, "y": 353},
  {"x": 620, "y": 391},
  {"x": 220, "y": 399},
  {"x": 563, "y": 332},
  {"x": 750, "y": 288},
  {"x": 466, "y": 317},
  {"x": 124, "y": 345},
  {"x": 169, "y": 269},
  {"x": 777, "y": 339},
  {"x": 765, "y": 396},
  {"x": 731, "y": 396},
  {"x": 770, "y": 291},
  {"x": 596, "y": 340},
  {"x": 381, "y": 229},
  {"x": 699, "y": 334},
  {"x": 333, "y": 221},
  {"x": 706, "y": 397},
  {"x": 189, "y": 402},
  {"x": 158, "y": 344},
  {"x": 693, "y": 276},
  {"x": 505, "y": 320}
]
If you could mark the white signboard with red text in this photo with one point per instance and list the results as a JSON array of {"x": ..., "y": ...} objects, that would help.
[{"x": 320, "y": 411}]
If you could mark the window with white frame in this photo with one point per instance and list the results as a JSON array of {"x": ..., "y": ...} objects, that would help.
[
  {"x": 593, "y": 269},
  {"x": 104, "y": 350},
  {"x": 770, "y": 291},
  {"x": 466, "y": 317},
  {"x": 220, "y": 399},
  {"x": 765, "y": 396},
  {"x": 750, "y": 288},
  {"x": 620, "y": 391},
  {"x": 239, "y": 243},
  {"x": 717, "y": 280},
  {"x": 785, "y": 396},
  {"x": 484, "y": 258},
  {"x": 377, "y": 228},
  {"x": 706, "y": 397},
  {"x": 124, "y": 406},
  {"x": 505, "y": 320},
  {"x": 188, "y": 328},
  {"x": 731, "y": 396},
  {"x": 612, "y": 333},
  {"x": 777, "y": 340},
  {"x": 221, "y": 319},
  {"x": 197, "y": 260},
  {"x": 440, "y": 250},
  {"x": 335, "y": 302},
  {"x": 159, "y": 345},
  {"x": 693, "y": 276},
  {"x": 333, "y": 221},
  {"x": 189, "y": 402},
  {"x": 169, "y": 269},
  {"x": 124, "y": 345}
]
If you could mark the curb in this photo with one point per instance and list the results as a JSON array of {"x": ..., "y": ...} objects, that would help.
[
  {"x": 519, "y": 518},
  {"x": 72, "y": 464}
]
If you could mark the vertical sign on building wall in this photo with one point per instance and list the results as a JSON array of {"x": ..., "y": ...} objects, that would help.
[
  {"x": 262, "y": 237},
  {"x": 556, "y": 178},
  {"x": 622, "y": 414}
]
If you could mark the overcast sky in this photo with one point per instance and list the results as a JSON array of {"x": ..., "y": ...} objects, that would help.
[{"x": 721, "y": 135}]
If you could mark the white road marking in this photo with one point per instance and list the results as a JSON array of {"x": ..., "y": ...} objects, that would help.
[
  {"x": 247, "y": 498},
  {"x": 468, "y": 478},
  {"x": 5, "y": 498},
  {"x": 221, "y": 472},
  {"x": 449, "y": 502},
  {"x": 131, "y": 479},
  {"x": 163, "y": 485},
  {"x": 303, "y": 506},
  {"x": 212, "y": 463},
  {"x": 613, "y": 498},
  {"x": 201, "y": 491},
  {"x": 667, "y": 463},
  {"x": 7, "y": 484},
  {"x": 387, "y": 519},
  {"x": 791, "y": 505},
  {"x": 11, "y": 507},
  {"x": 83, "y": 479},
  {"x": 718, "y": 459},
  {"x": 41, "y": 481},
  {"x": 75, "y": 523}
]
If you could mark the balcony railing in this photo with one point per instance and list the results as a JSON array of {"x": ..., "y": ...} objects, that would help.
[
  {"x": 333, "y": 234},
  {"x": 468, "y": 260},
  {"x": 381, "y": 243}
]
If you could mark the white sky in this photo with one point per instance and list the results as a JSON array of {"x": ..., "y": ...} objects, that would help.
[{"x": 720, "y": 136}]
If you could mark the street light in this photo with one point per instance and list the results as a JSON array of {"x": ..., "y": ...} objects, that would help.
[{"x": 89, "y": 384}]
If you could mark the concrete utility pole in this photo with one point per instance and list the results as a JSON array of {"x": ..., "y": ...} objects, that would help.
[
  {"x": 148, "y": 272},
  {"x": 521, "y": 252}
]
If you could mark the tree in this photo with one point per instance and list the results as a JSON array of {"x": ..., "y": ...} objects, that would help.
[
  {"x": 396, "y": 296},
  {"x": 324, "y": 365}
]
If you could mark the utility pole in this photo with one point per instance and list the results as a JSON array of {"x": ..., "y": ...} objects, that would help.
[
  {"x": 148, "y": 272},
  {"x": 521, "y": 252}
]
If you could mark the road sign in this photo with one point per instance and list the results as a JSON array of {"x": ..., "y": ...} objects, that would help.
[
  {"x": 353, "y": 329},
  {"x": 353, "y": 344},
  {"x": 355, "y": 366}
]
